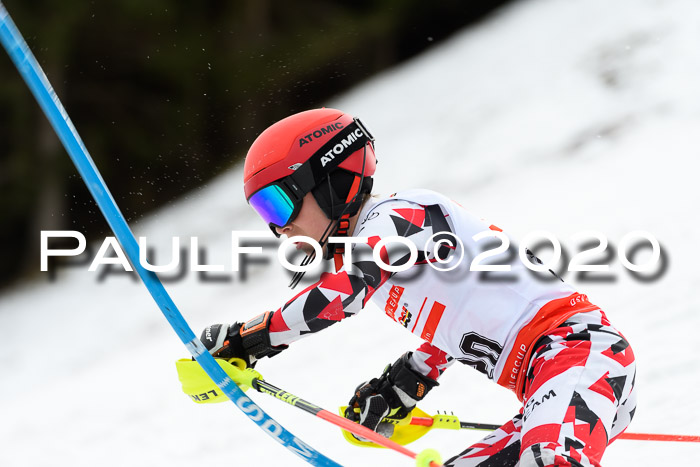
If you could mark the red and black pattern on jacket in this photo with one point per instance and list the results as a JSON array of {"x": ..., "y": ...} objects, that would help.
[
  {"x": 334, "y": 297},
  {"x": 430, "y": 222},
  {"x": 339, "y": 295},
  {"x": 608, "y": 386},
  {"x": 430, "y": 361},
  {"x": 578, "y": 423}
]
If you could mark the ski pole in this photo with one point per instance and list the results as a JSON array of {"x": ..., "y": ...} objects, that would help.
[
  {"x": 425, "y": 421},
  {"x": 451, "y": 421},
  {"x": 427, "y": 457},
  {"x": 410, "y": 429}
]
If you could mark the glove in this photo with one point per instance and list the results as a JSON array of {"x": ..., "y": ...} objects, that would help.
[
  {"x": 249, "y": 341},
  {"x": 393, "y": 396}
]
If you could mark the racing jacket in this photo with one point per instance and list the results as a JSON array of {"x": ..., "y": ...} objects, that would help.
[{"x": 489, "y": 320}]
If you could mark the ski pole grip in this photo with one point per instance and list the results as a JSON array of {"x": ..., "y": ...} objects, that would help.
[{"x": 246, "y": 377}]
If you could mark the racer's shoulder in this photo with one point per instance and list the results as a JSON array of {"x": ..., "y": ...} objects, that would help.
[
  {"x": 390, "y": 214},
  {"x": 413, "y": 198}
]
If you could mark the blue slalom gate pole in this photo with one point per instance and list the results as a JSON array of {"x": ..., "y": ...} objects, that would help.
[{"x": 39, "y": 85}]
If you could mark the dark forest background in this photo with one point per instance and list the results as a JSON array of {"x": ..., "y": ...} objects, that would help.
[{"x": 168, "y": 93}]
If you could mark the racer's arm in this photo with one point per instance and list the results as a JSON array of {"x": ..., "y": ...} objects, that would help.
[
  {"x": 430, "y": 361},
  {"x": 333, "y": 298},
  {"x": 339, "y": 295}
]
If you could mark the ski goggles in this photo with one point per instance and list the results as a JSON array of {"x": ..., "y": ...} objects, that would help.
[{"x": 277, "y": 204}]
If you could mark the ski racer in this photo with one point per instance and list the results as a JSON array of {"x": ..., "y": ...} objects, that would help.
[{"x": 310, "y": 174}]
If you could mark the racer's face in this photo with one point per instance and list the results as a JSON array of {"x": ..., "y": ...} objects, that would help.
[{"x": 311, "y": 222}]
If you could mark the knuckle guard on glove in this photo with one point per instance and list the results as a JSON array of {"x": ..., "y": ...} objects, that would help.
[
  {"x": 248, "y": 341},
  {"x": 393, "y": 395},
  {"x": 375, "y": 409}
]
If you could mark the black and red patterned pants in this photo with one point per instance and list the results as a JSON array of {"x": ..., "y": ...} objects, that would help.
[{"x": 579, "y": 396}]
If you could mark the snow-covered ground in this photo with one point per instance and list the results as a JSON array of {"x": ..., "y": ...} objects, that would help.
[{"x": 553, "y": 115}]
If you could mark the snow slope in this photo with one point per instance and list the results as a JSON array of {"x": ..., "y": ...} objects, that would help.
[{"x": 559, "y": 116}]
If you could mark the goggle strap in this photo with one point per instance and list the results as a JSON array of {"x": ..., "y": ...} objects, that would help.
[
  {"x": 294, "y": 189},
  {"x": 326, "y": 158}
]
